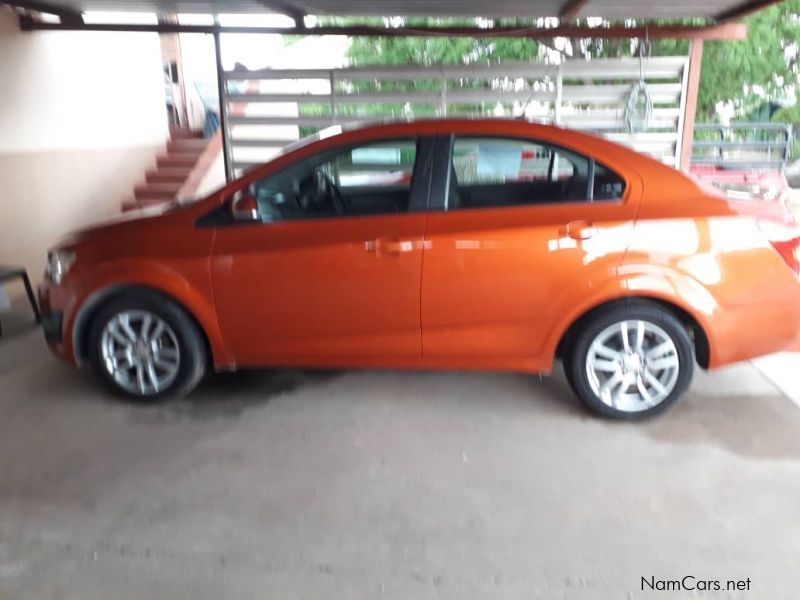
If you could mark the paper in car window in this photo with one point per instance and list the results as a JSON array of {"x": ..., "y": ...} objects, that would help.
[
  {"x": 499, "y": 160},
  {"x": 376, "y": 156}
]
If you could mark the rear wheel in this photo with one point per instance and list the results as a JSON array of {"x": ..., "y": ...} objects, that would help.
[
  {"x": 145, "y": 347},
  {"x": 630, "y": 361}
]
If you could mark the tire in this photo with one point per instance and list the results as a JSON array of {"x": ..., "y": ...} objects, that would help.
[
  {"x": 598, "y": 366},
  {"x": 178, "y": 354}
]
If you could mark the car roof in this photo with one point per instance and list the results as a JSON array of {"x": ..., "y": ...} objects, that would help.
[
  {"x": 413, "y": 123},
  {"x": 501, "y": 126}
]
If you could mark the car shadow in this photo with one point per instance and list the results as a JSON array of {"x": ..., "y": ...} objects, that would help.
[
  {"x": 228, "y": 395},
  {"x": 752, "y": 427}
]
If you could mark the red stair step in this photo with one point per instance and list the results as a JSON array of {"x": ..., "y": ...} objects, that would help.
[
  {"x": 168, "y": 174},
  {"x": 187, "y": 145},
  {"x": 176, "y": 160},
  {"x": 155, "y": 197},
  {"x": 151, "y": 189},
  {"x": 184, "y": 152},
  {"x": 179, "y": 133}
]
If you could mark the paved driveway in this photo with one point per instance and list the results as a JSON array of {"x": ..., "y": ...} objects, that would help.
[{"x": 369, "y": 484}]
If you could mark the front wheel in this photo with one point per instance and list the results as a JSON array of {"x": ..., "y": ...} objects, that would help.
[
  {"x": 146, "y": 348},
  {"x": 630, "y": 361}
]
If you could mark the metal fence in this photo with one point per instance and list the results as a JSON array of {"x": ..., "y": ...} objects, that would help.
[
  {"x": 749, "y": 146},
  {"x": 269, "y": 108}
]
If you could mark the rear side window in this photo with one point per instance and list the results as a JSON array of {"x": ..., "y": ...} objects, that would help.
[
  {"x": 607, "y": 184},
  {"x": 494, "y": 172}
]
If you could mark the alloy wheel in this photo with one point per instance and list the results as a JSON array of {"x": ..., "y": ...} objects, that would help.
[
  {"x": 140, "y": 351},
  {"x": 632, "y": 365}
]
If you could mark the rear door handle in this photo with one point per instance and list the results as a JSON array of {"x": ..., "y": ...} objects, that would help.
[
  {"x": 391, "y": 246},
  {"x": 579, "y": 230}
]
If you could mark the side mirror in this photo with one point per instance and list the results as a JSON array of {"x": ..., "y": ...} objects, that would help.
[{"x": 244, "y": 206}]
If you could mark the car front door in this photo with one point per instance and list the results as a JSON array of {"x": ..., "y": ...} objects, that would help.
[
  {"x": 518, "y": 231},
  {"x": 330, "y": 273}
]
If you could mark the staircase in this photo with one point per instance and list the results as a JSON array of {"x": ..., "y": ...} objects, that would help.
[{"x": 172, "y": 169}]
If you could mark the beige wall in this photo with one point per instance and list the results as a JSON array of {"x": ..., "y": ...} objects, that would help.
[
  {"x": 214, "y": 177},
  {"x": 69, "y": 90},
  {"x": 82, "y": 115},
  {"x": 47, "y": 194}
]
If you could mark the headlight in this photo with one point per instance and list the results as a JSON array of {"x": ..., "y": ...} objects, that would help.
[{"x": 59, "y": 263}]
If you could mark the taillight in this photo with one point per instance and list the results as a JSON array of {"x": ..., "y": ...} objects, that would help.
[{"x": 785, "y": 238}]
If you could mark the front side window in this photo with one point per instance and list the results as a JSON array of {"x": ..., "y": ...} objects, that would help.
[
  {"x": 494, "y": 172},
  {"x": 369, "y": 179}
]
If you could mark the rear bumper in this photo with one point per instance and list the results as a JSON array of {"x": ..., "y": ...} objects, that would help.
[{"x": 743, "y": 333}]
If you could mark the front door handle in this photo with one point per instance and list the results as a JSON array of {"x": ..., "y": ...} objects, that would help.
[
  {"x": 579, "y": 230},
  {"x": 391, "y": 246}
]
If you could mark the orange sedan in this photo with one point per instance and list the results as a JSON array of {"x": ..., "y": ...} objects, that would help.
[{"x": 447, "y": 244}]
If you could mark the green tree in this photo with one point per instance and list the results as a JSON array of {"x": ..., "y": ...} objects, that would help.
[
  {"x": 439, "y": 50},
  {"x": 760, "y": 69}
]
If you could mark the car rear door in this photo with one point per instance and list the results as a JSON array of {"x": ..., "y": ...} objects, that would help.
[
  {"x": 329, "y": 280},
  {"x": 516, "y": 236}
]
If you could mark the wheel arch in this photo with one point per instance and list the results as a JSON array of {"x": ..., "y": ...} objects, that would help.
[
  {"x": 692, "y": 323},
  {"x": 94, "y": 302}
]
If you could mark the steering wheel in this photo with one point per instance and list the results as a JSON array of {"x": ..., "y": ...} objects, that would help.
[{"x": 327, "y": 188}]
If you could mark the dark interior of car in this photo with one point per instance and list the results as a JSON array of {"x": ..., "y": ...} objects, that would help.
[
  {"x": 375, "y": 200},
  {"x": 538, "y": 190},
  {"x": 316, "y": 194},
  {"x": 516, "y": 193}
]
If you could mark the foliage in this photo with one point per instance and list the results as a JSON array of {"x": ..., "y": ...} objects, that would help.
[
  {"x": 762, "y": 68},
  {"x": 791, "y": 114},
  {"x": 788, "y": 114},
  {"x": 439, "y": 50},
  {"x": 434, "y": 50}
]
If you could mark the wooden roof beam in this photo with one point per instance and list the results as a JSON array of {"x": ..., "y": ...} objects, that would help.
[
  {"x": 286, "y": 8},
  {"x": 67, "y": 16},
  {"x": 723, "y": 31},
  {"x": 744, "y": 9},
  {"x": 571, "y": 9}
]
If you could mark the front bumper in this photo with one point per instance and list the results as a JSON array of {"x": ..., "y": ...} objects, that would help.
[
  {"x": 53, "y": 304},
  {"x": 52, "y": 327}
]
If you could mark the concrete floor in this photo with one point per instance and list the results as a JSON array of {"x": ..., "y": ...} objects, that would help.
[{"x": 368, "y": 484}]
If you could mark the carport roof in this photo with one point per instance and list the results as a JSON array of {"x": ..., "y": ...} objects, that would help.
[{"x": 616, "y": 10}]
